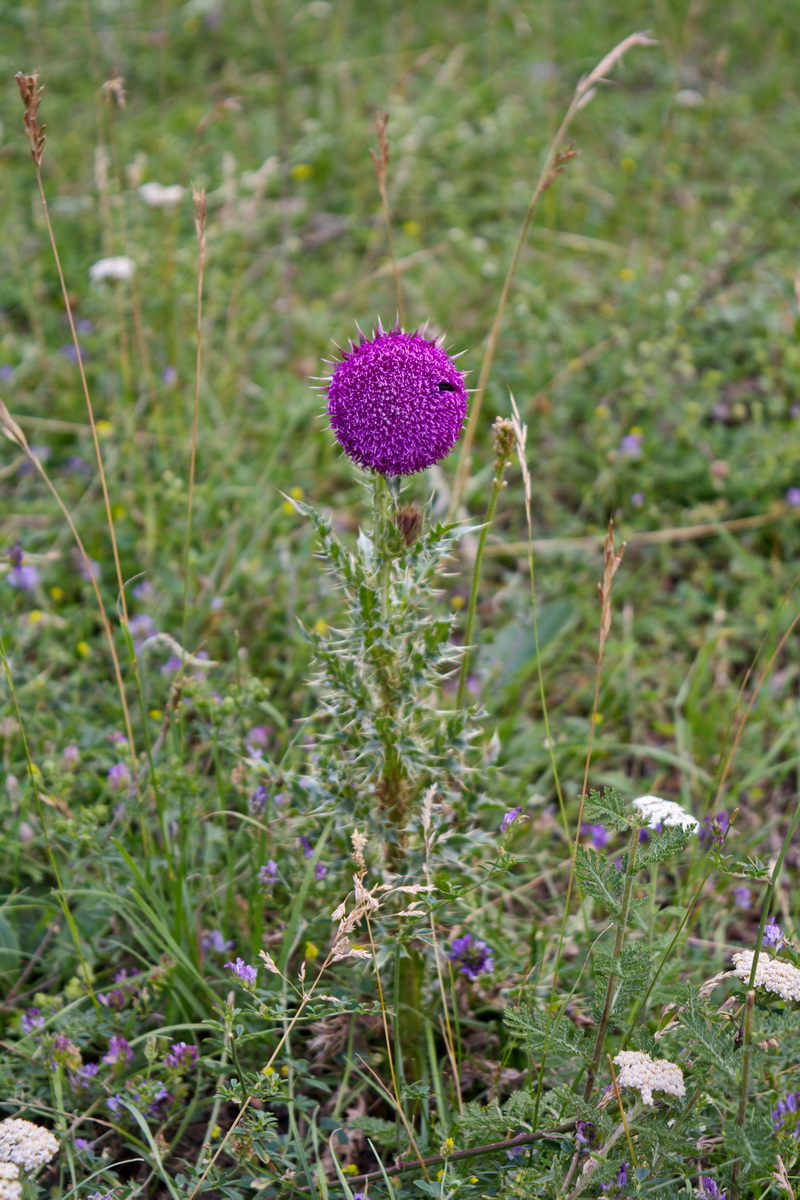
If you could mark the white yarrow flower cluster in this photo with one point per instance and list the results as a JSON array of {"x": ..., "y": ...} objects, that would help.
[
  {"x": 26, "y": 1144},
  {"x": 118, "y": 269},
  {"x": 159, "y": 195},
  {"x": 10, "y": 1186},
  {"x": 655, "y": 811},
  {"x": 648, "y": 1075},
  {"x": 771, "y": 974}
]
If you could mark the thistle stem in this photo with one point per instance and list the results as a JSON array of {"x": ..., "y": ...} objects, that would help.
[{"x": 497, "y": 487}]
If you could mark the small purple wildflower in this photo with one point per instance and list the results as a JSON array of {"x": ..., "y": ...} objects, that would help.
[
  {"x": 257, "y": 740},
  {"x": 515, "y": 1152},
  {"x": 620, "y": 1182},
  {"x": 173, "y": 663},
  {"x": 119, "y": 776},
  {"x": 162, "y": 1096},
  {"x": 396, "y": 402},
  {"x": 6, "y": 372},
  {"x": 141, "y": 627},
  {"x": 637, "y": 499},
  {"x": 793, "y": 497},
  {"x": 713, "y": 830},
  {"x": 786, "y": 1117},
  {"x": 631, "y": 446},
  {"x": 359, "y": 1196},
  {"x": 118, "y": 1051},
  {"x": 144, "y": 591},
  {"x": 320, "y": 871},
  {"x": 472, "y": 956},
  {"x": 169, "y": 376},
  {"x": 114, "y": 1103},
  {"x": 69, "y": 352},
  {"x": 116, "y": 998},
  {"x": 32, "y": 1020},
  {"x": 268, "y": 873},
  {"x": 90, "y": 572},
  {"x": 584, "y": 1134},
  {"x": 773, "y": 935},
  {"x": 23, "y": 576},
  {"x": 214, "y": 943},
  {"x": 711, "y": 1189},
  {"x": 258, "y": 799},
  {"x": 78, "y": 465},
  {"x": 308, "y": 849},
  {"x": 509, "y": 819},
  {"x": 83, "y": 1144},
  {"x": 85, "y": 325},
  {"x": 81, "y": 1079},
  {"x": 71, "y": 755},
  {"x": 117, "y": 739},
  {"x": 180, "y": 1055},
  {"x": 742, "y": 896},
  {"x": 243, "y": 972},
  {"x": 598, "y": 833}
]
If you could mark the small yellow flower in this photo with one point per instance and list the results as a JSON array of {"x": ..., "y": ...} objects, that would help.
[
  {"x": 636, "y": 430},
  {"x": 284, "y": 1071},
  {"x": 311, "y": 952},
  {"x": 302, "y": 171},
  {"x": 57, "y": 593},
  {"x": 412, "y": 228},
  {"x": 35, "y": 616},
  {"x": 350, "y": 1169},
  {"x": 216, "y": 1131},
  {"x": 457, "y": 602},
  {"x": 320, "y": 626},
  {"x": 156, "y": 714},
  {"x": 474, "y": 1179},
  {"x": 118, "y": 512},
  {"x": 598, "y": 718},
  {"x": 627, "y": 275},
  {"x": 602, "y": 410},
  {"x": 288, "y": 507},
  {"x": 296, "y": 493},
  {"x": 628, "y": 164},
  {"x": 440, "y": 1173},
  {"x": 448, "y": 1146},
  {"x": 84, "y": 649},
  {"x": 268, "y": 1071},
  {"x": 104, "y": 428}
]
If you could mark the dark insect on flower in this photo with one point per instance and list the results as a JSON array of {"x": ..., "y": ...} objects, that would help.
[
  {"x": 397, "y": 402},
  {"x": 472, "y": 956}
]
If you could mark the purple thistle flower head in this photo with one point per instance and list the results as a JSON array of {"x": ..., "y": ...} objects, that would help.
[
  {"x": 397, "y": 402},
  {"x": 773, "y": 934},
  {"x": 472, "y": 956},
  {"x": 711, "y": 1189},
  {"x": 243, "y": 971},
  {"x": 509, "y": 819}
]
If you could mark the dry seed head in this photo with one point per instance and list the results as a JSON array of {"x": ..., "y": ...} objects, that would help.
[
  {"x": 31, "y": 95},
  {"x": 116, "y": 88},
  {"x": 504, "y": 442},
  {"x": 408, "y": 520}
]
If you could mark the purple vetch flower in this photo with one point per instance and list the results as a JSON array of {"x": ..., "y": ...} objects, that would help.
[
  {"x": 81, "y": 1079},
  {"x": 83, "y": 1144},
  {"x": 141, "y": 628},
  {"x": 180, "y": 1055},
  {"x": 786, "y": 1117},
  {"x": 713, "y": 830},
  {"x": 243, "y": 972},
  {"x": 6, "y": 372},
  {"x": 169, "y": 376},
  {"x": 320, "y": 871},
  {"x": 472, "y": 956},
  {"x": 258, "y": 799},
  {"x": 116, "y": 998},
  {"x": 773, "y": 935},
  {"x": 584, "y": 1135},
  {"x": 742, "y": 896},
  {"x": 114, "y": 1103},
  {"x": 23, "y": 576},
  {"x": 268, "y": 873},
  {"x": 631, "y": 446},
  {"x": 119, "y": 776},
  {"x": 308, "y": 849},
  {"x": 257, "y": 740},
  {"x": 637, "y": 499},
  {"x": 162, "y": 1096},
  {"x": 598, "y": 833},
  {"x": 711, "y": 1189},
  {"x": 620, "y": 1182},
  {"x": 118, "y": 1051},
  {"x": 91, "y": 572},
  {"x": 84, "y": 325},
  {"x": 515, "y": 1152},
  {"x": 32, "y": 1020},
  {"x": 70, "y": 755},
  {"x": 793, "y": 497},
  {"x": 214, "y": 943},
  {"x": 509, "y": 819},
  {"x": 173, "y": 663},
  {"x": 396, "y": 402}
]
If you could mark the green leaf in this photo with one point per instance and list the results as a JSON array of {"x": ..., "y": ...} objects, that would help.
[
  {"x": 538, "y": 1032},
  {"x": 607, "y": 808},
  {"x": 600, "y": 879},
  {"x": 665, "y": 845},
  {"x": 753, "y": 1144}
]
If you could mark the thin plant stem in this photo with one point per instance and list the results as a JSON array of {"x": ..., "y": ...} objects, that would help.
[
  {"x": 554, "y": 162},
  {"x": 611, "y": 988},
  {"x": 744, "y": 1083},
  {"x": 497, "y": 487},
  {"x": 621, "y": 1108},
  {"x": 199, "y": 198},
  {"x": 381, "y": 161}
]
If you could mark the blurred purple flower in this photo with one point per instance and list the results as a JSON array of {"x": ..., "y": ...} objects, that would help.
[
  {"x": 258, "y": 800},
  {"x": 710, "y": 1189},
  {"x": 773, "y": 935},
  {"x": 245, "y": 973},
  {"x": 268, "y": 873},
  {"x": 713, "y": 830},
  {"x": 71, "y": 755},
  {"x": 114, "y": 1103},
  {"x": 141, "y": 627},
  {"x": 631, "y": 445},
  {"x": 637, "y": 499},
  {"x": 308, "y": 849},
  {"x": 169, "y": 376},
  {"x": 742, "y": 896},
  {"x": 85, "y": 325},
  {"x": 69, "y": 352},
  {"x": 471, "y": 956},
  {"x": 509, "y": 819},
  {"x": 118, "y": 1050},
  {"x": 119, "y": 776},
  {"x": 31, "y": 1020},
  {"x": 214, "y": 943},
  {"x": 180, "y": 1055},
  {"x": 320, "y": 871},
  {"x": 598, "y": 833},
  {"x": 144, "y": 591},
  {"x": 90, "y": 572},
  {"x": 78, "y": 465},
  {"x": 793, "y": 497},
  {"x": 786, "y": 1117},
  {"x": 5, "y": 373},
  {"x": 81, "y": 1079},
  {"x": 24, "y": 577}
]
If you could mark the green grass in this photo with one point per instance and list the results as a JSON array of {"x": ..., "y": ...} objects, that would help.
[{"x": 655, "y": 301}]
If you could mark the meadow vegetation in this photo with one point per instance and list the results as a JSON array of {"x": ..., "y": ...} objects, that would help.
[{"x": 350, "y": 846}]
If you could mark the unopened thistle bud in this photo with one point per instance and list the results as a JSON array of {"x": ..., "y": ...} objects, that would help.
[{"x": 408, "y": 520}]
